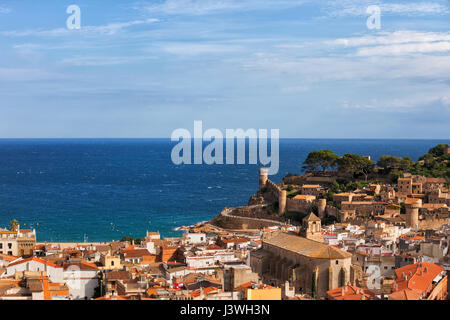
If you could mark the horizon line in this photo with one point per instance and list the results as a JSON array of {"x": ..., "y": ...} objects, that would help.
[{"x": 169, "y": 138}]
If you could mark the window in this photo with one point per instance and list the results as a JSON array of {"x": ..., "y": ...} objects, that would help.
[
  {"x": 9, "y": 245},
  {"x": 112, "y": 263},
  {"x": 1, "y": 245},
  {"x": 337, "y": 261},
  {"x": 10, "y": 253}
]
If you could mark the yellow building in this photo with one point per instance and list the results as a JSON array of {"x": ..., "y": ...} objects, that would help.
[
  {"x": 259, "y": 291},
  {"x": 110, "y": 262}
]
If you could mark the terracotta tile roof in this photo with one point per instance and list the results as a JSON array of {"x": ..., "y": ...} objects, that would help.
[
  {"x": 410, "y": 236},
  {"x": 196, "y": 293},
  {"x": 117, "y": 275},
  {"x": 131, "y": 247},
  {"x": 136, "y": 253},
  {"x": 303, "y": 246},
  {"x": 304, "y": 197},
  {"x": 7, "y": 257},
  {"x": 36, "y": 260},
  {"x": 415, "y": 278},
  {"x": 213, "y": 247},
  {"x": 113, "y": 297},
  {"x": 406, "y": 294},
  {"x": 235, "y": 240},
  {"x": 350, "y": 292},
  {"x": 83, "y": 265}
]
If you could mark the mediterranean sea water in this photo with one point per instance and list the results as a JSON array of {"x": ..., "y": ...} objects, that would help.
[{"x": 105, "y": 189}]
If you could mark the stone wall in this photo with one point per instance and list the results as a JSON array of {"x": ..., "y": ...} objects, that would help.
[
  {"x": 299, "y": 205},
  {"x": 272, "y": 191},
  {"x": 244, "y": 218},
  {"x": 433, "y": 223}
]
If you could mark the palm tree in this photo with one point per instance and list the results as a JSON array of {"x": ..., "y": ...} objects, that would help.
[{"x": 13, "y": 225}]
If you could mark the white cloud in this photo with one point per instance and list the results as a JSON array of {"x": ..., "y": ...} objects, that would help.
[
  {"x": 191, "y": 49},
  {"x": 102, "y": 61},
  {"x": 4, "y": 10},
  {"x": 351, "y": 68},
  {"x": 202, "y": 7},
  {"x": 109, "y": 29},
  {"x": 397, "y": 37},
  {"x": 343, "y": 8},
  {"x": 397, "y": 43},
  {"x": 402, "y": 49},
  {"x": 402, "y": 104}
]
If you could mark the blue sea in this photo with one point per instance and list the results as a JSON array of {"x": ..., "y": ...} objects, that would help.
[{"x": 105, "y": 189}]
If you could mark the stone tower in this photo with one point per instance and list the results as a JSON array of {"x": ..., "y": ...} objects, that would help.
[
  {"x": 312, "y": 228},
  {"x": 412, "y": 213},
  {"x": 321, "y": 205},
  {"x": 282, "y": 201},
  {"x": 263, "y": 177}
]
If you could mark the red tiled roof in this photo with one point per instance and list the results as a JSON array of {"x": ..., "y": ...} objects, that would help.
[
  {"x": 36, "y": 260},
  {"x": 7, "y": 257},
  {"x": 415, "y": 279},
  {"x": 350, "y": 292}
]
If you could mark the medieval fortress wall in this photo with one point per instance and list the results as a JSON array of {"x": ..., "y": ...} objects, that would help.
[
  {"x": 255, "y": 215},
  {"x": 275, "y": 193},
  {"x": 243, "y": 218}
]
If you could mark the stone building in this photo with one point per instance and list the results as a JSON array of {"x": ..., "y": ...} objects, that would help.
[
  {"x": 310, "y": 266},
  {"x": 232, "y": 276},
  {"x": 17, "y": 243},
  {"x": 312, "y": 228}
]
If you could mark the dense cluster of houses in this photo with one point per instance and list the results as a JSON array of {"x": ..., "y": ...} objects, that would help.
[{"x": 375, "y": 252}]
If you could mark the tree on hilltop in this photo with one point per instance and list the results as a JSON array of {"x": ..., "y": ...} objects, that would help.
[
  {"x": 389, "y": 163},
  {"x": 438, "y": 150},
  {"x": 320, "y": 159},
  {"x": 354, "y": 164}
]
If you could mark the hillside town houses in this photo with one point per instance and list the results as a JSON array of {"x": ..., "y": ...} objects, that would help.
[{"x": 372, "y": 251}]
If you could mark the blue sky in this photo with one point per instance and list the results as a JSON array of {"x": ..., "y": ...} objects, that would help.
[{"x": 144, "y": 68}]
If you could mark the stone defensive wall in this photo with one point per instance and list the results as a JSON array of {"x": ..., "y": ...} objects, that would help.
[
  {"x": 298, "y": 205},
  {"x": 273, "y": 189},
  {"x": 308, "y": 179},
  {"x": 433, "y": 222},
  {"x": 332, "y": 211},
  {"x": 243, "y": 218}
]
